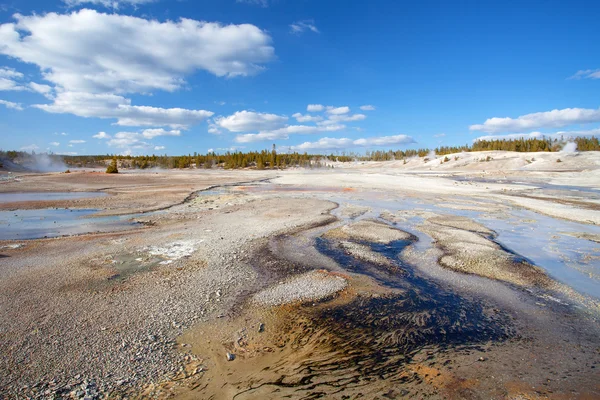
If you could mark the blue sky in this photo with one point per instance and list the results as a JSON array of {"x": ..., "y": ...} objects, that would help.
[{"x": 177, "y": 77}]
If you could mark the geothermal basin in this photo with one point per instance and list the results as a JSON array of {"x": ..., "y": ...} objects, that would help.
[{"x": 363, "y": 281}]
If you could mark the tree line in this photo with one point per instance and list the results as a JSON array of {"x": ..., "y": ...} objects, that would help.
[{"x": 266, "y": 159}]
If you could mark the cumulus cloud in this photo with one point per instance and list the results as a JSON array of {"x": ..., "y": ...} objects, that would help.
[
  {"x": 107, "y": 3},
  {"x": 315, "y": 107},
  {"x": 106, "y": 105},
  {"x": 55, "y": 144},
  {"x": 242, "y": 121},
  {"x": 347, "y": 118},
  {"x": 132, "y": 141},
  {"x": 327, "y": 143},
  {"x": 95, "y": 52},
  {"x": 154, "y": 116},
  {"x": 367, "y": 107},
  {"x": 10, "y": 80},
  {"x": 547, "y": 119},
  {"x": 213, "y": 128},
  {"x": 11, "y": 105},
  {"x": 587, "y": 74},
  {"x": 10, "y": 85},
  {"x": 92, "y": 59},
  {"x": 439, "y": 135},
  {"x": 283, "y": 133},
  {"x": 303, "y": 26},
  {"x": 101, "y": 135},
  {"x": 384, "y": 141},
  {"x": 11, "y": 73},
  {"x": 338, "y": 110},
  {"x": 152, "y": 133},
  {"x": 307, "y": 118},
  {"x": 42, "y": 89},
  {"x": 538, "y": 135},
  {"x": 129, "y": 140},
  {"x": 76, "y": 141}
]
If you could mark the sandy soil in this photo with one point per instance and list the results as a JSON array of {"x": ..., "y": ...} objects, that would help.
[{"x": 380, "y": 280}]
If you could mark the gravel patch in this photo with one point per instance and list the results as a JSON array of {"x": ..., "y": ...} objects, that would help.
[
  {"x": 73, "y": 326},
  {"x": 312, "y": 286}
]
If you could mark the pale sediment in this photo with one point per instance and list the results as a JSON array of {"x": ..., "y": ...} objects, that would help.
[
  {"x": 369, "y": 231},
  {"x": 312, "y": 286},
  {"x": 468, "y": 249}
]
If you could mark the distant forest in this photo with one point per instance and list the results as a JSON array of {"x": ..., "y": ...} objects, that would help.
[{"x": 272, "y": 159}]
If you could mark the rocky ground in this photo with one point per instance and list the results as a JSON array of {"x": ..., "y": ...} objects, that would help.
[{"x": 222, "y": 284}]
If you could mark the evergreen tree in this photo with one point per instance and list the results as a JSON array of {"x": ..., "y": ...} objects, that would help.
[{"x": 112, "y": 168}]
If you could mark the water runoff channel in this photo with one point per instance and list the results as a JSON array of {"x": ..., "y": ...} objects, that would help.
[{"x": 368, "y": 341}]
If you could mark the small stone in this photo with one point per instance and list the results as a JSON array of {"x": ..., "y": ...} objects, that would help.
[
  {"x": 261, "y": 327},
  {"x": 230, "y": 356},
  {"x": 481, "y": 359}
]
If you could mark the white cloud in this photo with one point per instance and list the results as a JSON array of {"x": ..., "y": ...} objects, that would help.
[
  {"x": 538, "y": 135},
  {"x": 31, "y": 147},
  {"x": 95, "y": 52},
  {"x": 243, "y": 121},
  {"x": 101, "y": 135},
  {"x": 152, "y": 133},
  {"x": 107, "y": 3},
  {"x": 67, "y": 153},
  {"x": 327, "y": 143},
  {"x": 10, "y": 84},
  {"x": 154, "y": 116},
  {"x": 338, "y": 110},
  {"x": 384, "y": 141},
  {"x": 106, "y": 105},
  {"x": 307, "y": 118},
  {"x": 11, "y": 105},
  {"x": 92, "y": 59},
  {"x": 213, "y": 128},
  {"x": 587, "y": 74},
  {"x": 347, "y": 118},
  {"x": 367, "y": 107},
  {"x": 41, "y": 89},
  {"x": 439, "y": 135},
  {"x": 314, "y": 108},
  {"x": 548, "y": 119},
  {"x": 55, "y": 144},
  {"x": 302, "y": 26},
  {"x": 6, "y": 72},
  {"x": 260, "y": 137},
  {"x": 283, "y": 133},
  {"x": 131, "y": 141},
  {"x": 76, "y": 141},
  {"x": 8, "y": 79}
]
